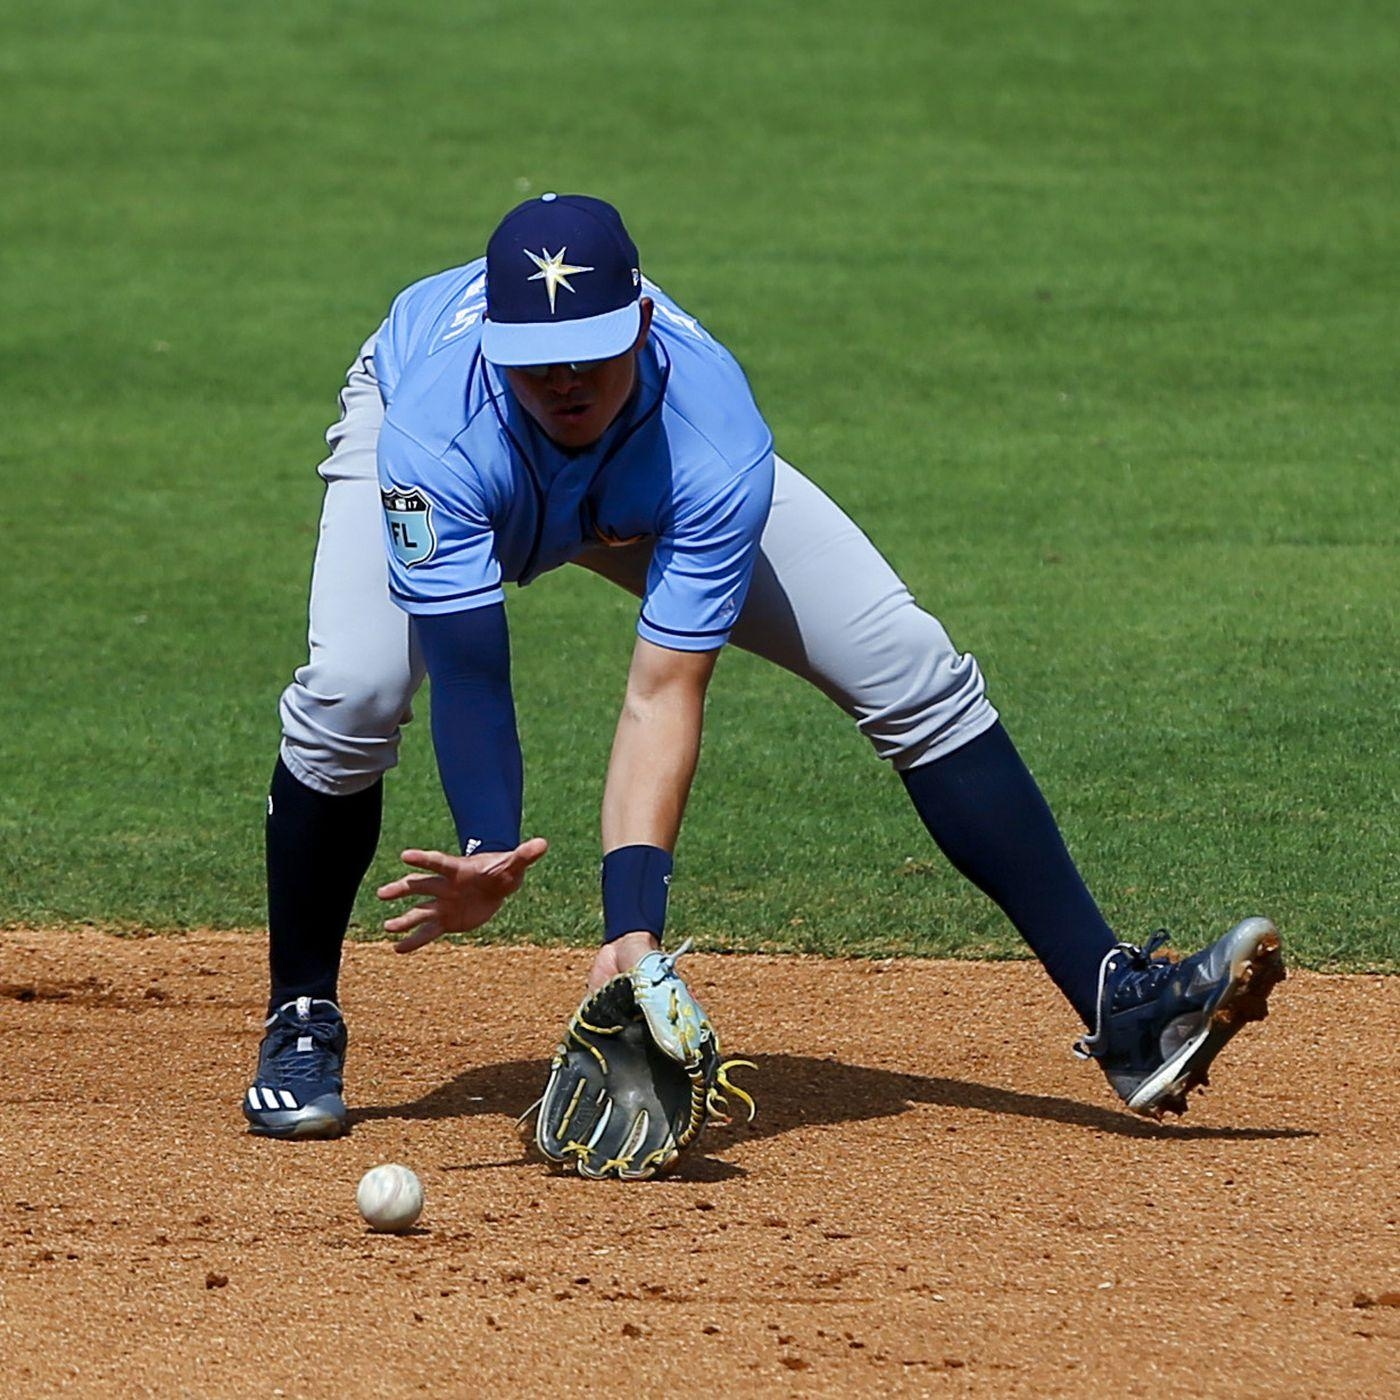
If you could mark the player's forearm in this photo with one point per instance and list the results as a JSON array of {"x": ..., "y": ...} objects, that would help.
[
  {"x": 654, "y": 756},
  {"x": 656, "y": 747}
]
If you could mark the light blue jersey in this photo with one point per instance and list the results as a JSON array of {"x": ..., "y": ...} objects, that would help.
[{"x": 475, "y": 495}]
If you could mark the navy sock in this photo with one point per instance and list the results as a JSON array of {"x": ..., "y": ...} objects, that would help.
[
  {"x": 985, "y": 811},
  {"x": 318, "y": 849}
]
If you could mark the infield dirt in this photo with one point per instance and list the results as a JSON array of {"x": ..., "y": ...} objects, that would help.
[{"x": 934, "y": 1197}]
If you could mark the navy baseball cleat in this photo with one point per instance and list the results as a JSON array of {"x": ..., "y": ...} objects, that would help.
[
  {"x": 1161, "y": 1021},
  {"x": 301, "y": 1069}
]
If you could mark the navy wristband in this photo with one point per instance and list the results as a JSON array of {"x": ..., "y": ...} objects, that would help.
[{"x": 636, "y": 884}]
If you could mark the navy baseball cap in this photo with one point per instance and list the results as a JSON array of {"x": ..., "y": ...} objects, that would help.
[{"x": 563, "y": 283}]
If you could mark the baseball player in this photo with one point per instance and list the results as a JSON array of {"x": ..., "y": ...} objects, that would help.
[{"x": 547, "y": 405}]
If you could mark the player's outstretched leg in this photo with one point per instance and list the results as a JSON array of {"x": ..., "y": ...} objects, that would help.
[
  {"x": 1156, "y": 1024},
  {"x": 986, "y": 813},
  {"x": 1160, "y": 1022}
]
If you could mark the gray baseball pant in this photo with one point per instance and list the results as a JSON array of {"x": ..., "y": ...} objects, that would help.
[{"x": 823, "y": 604}]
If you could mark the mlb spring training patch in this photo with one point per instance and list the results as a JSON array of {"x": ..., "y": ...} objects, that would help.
[{"x": 408, "y": 514}]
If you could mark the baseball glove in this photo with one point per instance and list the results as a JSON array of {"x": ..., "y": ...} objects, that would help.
[{"x": 638, "y": 1076}]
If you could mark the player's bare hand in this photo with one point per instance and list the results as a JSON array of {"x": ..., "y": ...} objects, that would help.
[
  {"x": 463, "y": 892},
  {"x": 620, "y": 955}
]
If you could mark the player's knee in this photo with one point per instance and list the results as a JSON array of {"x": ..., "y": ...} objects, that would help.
[
  {"x": 339, "y": 727},
  {"x": 933, "y": 703},
  {"x": 373, "y": 710}
]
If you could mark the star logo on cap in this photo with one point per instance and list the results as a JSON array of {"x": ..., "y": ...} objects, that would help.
[{"x": 553, "y": 271}]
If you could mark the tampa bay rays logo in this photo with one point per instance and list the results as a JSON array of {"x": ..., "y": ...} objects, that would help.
[
  {"x": 409, "y": 516},
  {"x": 554, "y": 272}
]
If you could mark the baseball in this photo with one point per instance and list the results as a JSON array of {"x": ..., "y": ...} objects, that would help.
[{"x": 390, "y": 1198}]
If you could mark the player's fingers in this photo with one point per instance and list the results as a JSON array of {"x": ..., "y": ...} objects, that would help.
[
  {"x": 430, "y": 860},
  {"x": 435, "y": 885},
  {"x": 424, "y": 933},
  {"x": 438, "y": 883},
  {"x": 407, "y": 885},
  {"x": 514, "y": 864},
  {"x": 411, "y": 918}
]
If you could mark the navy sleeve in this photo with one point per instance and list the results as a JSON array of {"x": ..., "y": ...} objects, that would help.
[{"x": 473, "y": 723}]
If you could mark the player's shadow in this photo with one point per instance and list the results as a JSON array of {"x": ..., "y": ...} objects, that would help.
[{"x": 798, "y": 1091}]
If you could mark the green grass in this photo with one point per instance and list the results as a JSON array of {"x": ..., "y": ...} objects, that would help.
[{"x": 1087, "y": 310}]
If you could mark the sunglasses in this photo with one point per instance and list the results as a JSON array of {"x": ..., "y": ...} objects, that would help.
[{"x": 573, "y": 366}]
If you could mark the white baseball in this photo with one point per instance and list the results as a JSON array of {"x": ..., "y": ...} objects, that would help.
[{"x": 390, "y": 1198}]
